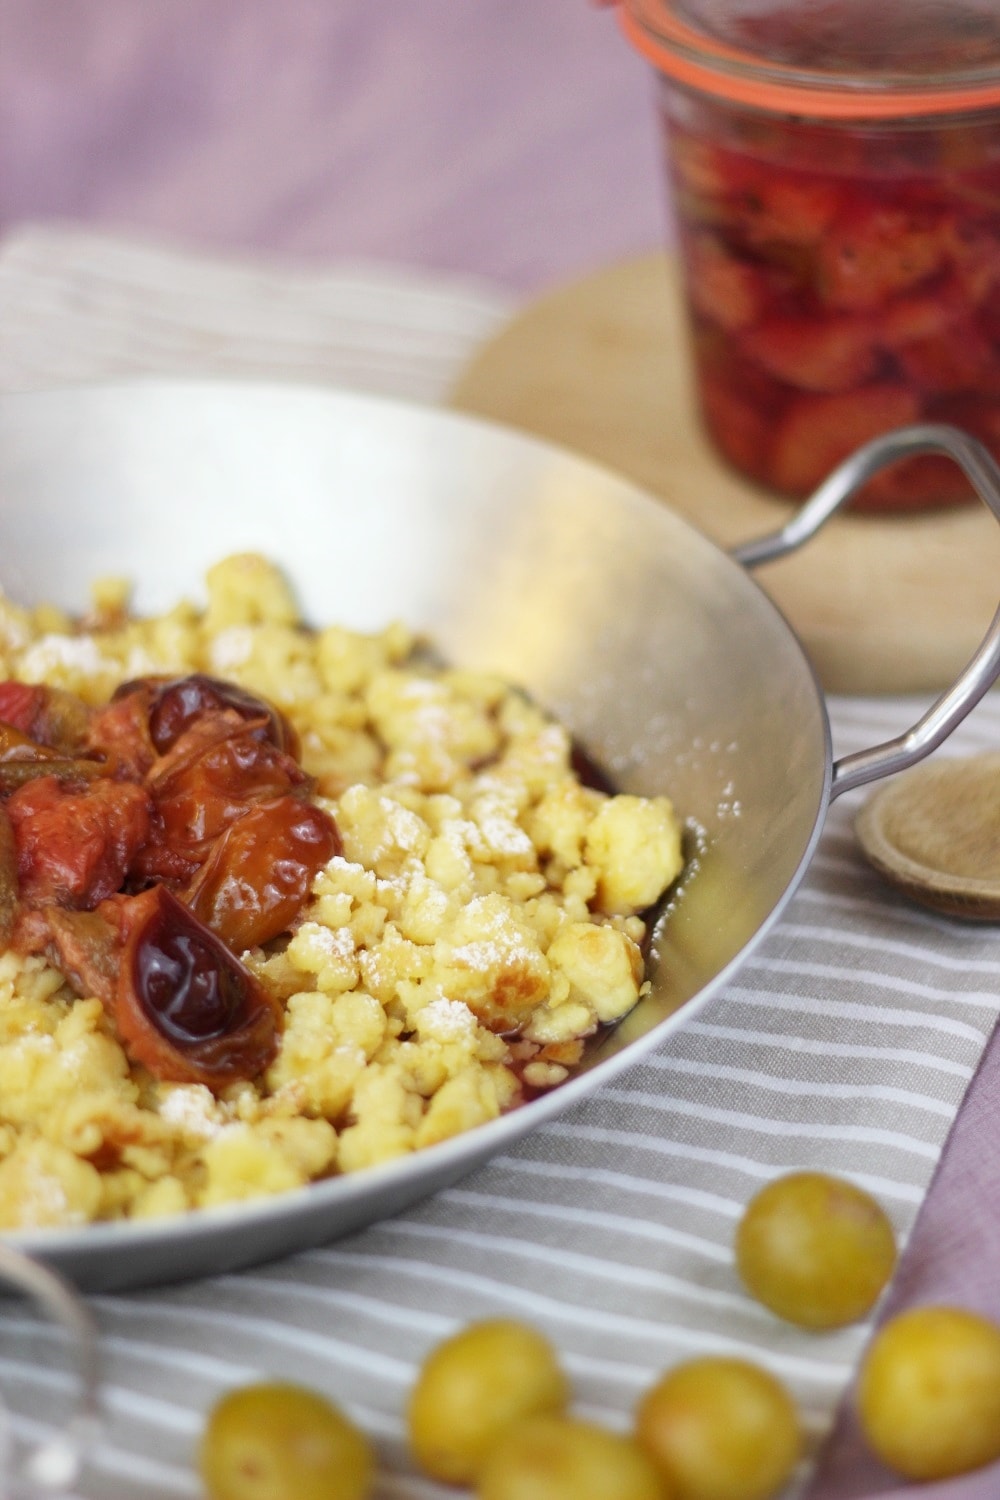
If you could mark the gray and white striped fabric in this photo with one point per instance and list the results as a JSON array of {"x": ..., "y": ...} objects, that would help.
[{"x": 846, "y": 1043}]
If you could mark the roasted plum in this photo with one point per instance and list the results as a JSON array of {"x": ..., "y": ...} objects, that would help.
[{"x": 145, "y": 844}]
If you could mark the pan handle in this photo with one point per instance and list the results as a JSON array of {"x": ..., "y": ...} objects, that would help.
[{"x": 984, "y": 667}]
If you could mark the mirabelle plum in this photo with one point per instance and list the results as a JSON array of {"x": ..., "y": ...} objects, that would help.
[
  {"x": 473, "y": 1387},
  {"x": 929, "y": 1393},
  {"x": 557, "y": 1458},
  {"x": 720, "y": 1429},
  {"x": 277, "y": 1441},
  {"x": 815, "y": 1249}
]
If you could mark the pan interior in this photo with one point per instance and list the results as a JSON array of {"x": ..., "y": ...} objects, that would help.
[{"x": 668, "y": 663}]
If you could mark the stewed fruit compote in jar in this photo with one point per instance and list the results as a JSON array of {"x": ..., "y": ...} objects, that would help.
[{"x": 835, "y": 175}]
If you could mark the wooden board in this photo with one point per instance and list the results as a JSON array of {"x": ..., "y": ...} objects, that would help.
[{"x": 882, "y": 604}]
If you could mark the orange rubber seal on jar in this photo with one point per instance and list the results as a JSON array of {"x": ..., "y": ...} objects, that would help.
[{"x": 711, "y": 67}]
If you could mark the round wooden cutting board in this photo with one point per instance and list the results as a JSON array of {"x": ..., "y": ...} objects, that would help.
[{"x": 882, "y": 605}]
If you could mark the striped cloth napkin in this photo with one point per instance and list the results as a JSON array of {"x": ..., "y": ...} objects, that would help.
[{"x": 846, "y": 1042}]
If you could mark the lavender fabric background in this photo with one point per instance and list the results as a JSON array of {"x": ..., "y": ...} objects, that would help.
[{"x": 512, "y": 142}]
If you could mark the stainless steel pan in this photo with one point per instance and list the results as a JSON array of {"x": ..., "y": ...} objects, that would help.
[{"x": 659, "y": 650}]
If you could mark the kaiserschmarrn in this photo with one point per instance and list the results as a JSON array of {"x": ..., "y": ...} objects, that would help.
[{"x": 444, "y": 913}]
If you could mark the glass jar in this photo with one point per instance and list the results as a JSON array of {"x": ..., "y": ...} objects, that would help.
[
  {"x": 45, "y": 1431},
  {"x": 834, "y": 169}
]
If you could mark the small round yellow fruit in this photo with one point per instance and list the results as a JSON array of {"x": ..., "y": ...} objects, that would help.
[
  {"x": 815, "y": 1249},
  {"x": 277, "y": 1441},
  {"x": 558, "y": 1458},
  {"x": 474, "y": 1386},
  {"x": 929, "y": 1393},
  {"x": 720, "y": 1429}
]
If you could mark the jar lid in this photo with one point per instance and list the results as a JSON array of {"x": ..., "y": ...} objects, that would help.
[{"x": 830, "y": 59}]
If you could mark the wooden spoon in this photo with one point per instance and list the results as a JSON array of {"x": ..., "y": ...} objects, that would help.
[{"x": 935, "y": 834}]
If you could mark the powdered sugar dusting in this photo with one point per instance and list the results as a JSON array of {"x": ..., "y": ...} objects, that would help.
[
  {"x": 231, "y": 648},
  {"x": 77, "y": 653}
]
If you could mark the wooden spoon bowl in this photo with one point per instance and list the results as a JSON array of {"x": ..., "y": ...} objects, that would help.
[{"x": 934, "y": 833}]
